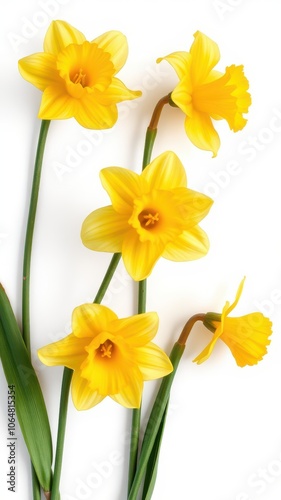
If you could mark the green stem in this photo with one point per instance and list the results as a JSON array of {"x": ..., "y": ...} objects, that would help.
[
  {"x": 155, "y": 420},
  {"x": 27, "y": 259},
  {"x": 30, "y": 230},
  {"x": 149, "y": 143},
  {"x": 152, "y": 464},
  {"x": 136, "y": 413},
  {"x": 66, "y": 381},
  {"x": 67, "y": 376},
  {"x": 152, "y": 129},
  {"x": 149, "y": 456},
  {"x": 107, "y": 278},
  {"x": 142, "y": 297}
]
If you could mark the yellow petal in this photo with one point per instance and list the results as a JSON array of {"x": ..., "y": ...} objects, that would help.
[
  {"x": 136, "y": 330},
  {"x": 153, "y": 362},
  {"x": 116, "y": 92},
  {"x": 206, "y": 353},
  {"x": 190, "y": 245},
  {"x": 59, "y": 35},
  {"x": 202, "y": 133},
  {"x": 205, "y": 55},
  {"x": 130, "y": 395},
  {"x": 165, "y": 172},
  {"x": 104, "y": 230},
  {"x": 180, "y": 61},
  {"x": 182, "y": 95},
  {"x": 89, "y": 320},
  {"x": 91, "y": 114},
  {"x": 228, "y": 308},
  {"x": 193, "y": 206},
  {"x": 123, "y": 186},
  {"x": 56, "y": 104},
  {"x": 140, "y": 257},
  {"x": 82, "y": 395},
  {"x": 39, "y": 69},
  {"x": 69, "y": 352},
  {"x": 116, "y": 44}
]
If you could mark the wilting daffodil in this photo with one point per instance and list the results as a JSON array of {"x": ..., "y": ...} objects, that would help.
[
  {"x": 246, "y": 336},
  {"x": 204, "y": 94},
  {"x": 109, "y": 356},
  {"x": 152, "y": 214},
  {"x": 77, "y": 77}
]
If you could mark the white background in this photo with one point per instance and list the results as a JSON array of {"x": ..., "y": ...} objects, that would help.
[{"x": 223, "y": 435}]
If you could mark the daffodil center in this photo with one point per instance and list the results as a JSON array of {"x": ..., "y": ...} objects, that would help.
[
  {"x": 80, "y": 77},
  {"x": 106, "y": 349},
  {"x": 148, "y": 218}
]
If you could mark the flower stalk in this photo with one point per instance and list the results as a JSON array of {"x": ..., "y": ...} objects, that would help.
[
  {"x": 27, "y": 258},
  {"x": 152, "y": 130},
  {"x": 142, "y": 287},
  {"x": 156, "y": 423},
  {"x": 66, "y": 381},
  {"x": 136, "y": 414},
  {"x": 30, "y": 231}
]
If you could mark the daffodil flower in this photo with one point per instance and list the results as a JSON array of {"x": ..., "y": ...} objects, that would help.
[
  {"x": 109, "y": 356},
  {"x": 152, "y": 214},
  {"x": 77, "y": 77},
  {"x": 204, "y": 94},
  {"x": 246, "y": 336}
]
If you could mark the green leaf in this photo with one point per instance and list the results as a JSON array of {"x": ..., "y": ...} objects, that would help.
[{"x": 30, "y": 406}]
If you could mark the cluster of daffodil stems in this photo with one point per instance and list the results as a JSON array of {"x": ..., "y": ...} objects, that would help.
[{"x": 142, "y": 464}]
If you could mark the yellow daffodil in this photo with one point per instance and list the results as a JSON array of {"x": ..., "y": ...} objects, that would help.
[
  {"x": 152, "y": 215},
  {"x": 246, "y": 336},
  {"x": 204, "y": 94},
  {"x": 77, "y": 77},
  {"x": 109, "y": 356}
]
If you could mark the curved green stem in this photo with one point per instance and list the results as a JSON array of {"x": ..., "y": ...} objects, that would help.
[
  {"x": 156, "y": 417},
  {"x": 152, "y": 129},
  {"x": 149, "y": 456},
  {"x": 67, "y": 376},
  {"x": 30, "y": 230},
  {"x": 27, "y": 259}
]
